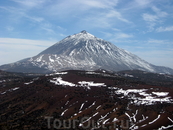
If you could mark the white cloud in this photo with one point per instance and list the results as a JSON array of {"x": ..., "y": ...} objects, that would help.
[
  {"x": 9, "y": 28},
  {"x": 159, "y": 12},
  {"x": 137, "y": 4},
  {"x": 116, "y": 29},
  {"x": 143, "y": 2},
  {"x": 13, "y": 49},
  {"x": 123, "y": 35},
  {"x": 99, "y": 3},
  {"x": 164, "y": 29},
  {"x": 16, "y": 41},
  {"x": 34, "y": 19},
  {"x": 30, "y": 3},
  {"x": 149, "y": 17},
  {"x": 116, "y": 14},
  {"x": 153, "y": 19}
]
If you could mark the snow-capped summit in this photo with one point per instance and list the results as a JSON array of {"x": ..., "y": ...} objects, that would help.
[
  {"x": 83, "y": 51},
  {"x": 84, "y": 32}
]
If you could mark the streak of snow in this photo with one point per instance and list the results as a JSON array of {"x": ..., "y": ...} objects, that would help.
[
  {"x": 66, "y": 102},
  {"x": 154, "y": 120},
  {"x": 29, "y": 83},
  {"x": 3, "y": 93},
  {"x": 51, "y": 60},
  {"x": 104, "y": 122},
  {"x": 81, "y": 124},
  {"x": 95, "y": 114},
  {"x": 161, "y": 93},
  {"x": 166, "y": 127},
  {"x": 15, "y": 88},
  {"x": 92, "y": 104},
  {"x": 98, "y": 107},
  {"x": 58, "y": 73},
  {"x": 128, "y": 117},
  {"x": 91, "y": 83},
  {"x": 59, "y": 81},
  {"x": 10, "y": 90},
  {"x": 135, "y": 116},
  {"x": 170, "y": 119},
  {"x": 81, "y": 106},
  {"x": 126, "y": 92},
  {"x": 63, "y": 112}
]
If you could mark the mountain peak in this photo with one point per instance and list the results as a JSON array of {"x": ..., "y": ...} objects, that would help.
[
  {"x": 84, "y": 51},
  {"x": 84, "y": 32}
]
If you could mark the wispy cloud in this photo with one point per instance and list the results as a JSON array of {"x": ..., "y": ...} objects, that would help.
[
  {"x": 96, "y": 13},
  {"x": 118, "y": 37},
  {"x": 123, "y": 35},
  {"x": 164, "y": 29},
  {"x": 159, "y": 12},
  {"x": 153, "y": 19},
  {"x": 30, "y": 3},
  {"x": 149, "y": 17},
  {"x": 34, "y": 18},
  {"x": 143, "y": 3},
  {"x": 10, "y": 28},
  {"x": 16, "y": 42},
  {"x": 15, "y": 49},
  {"x": 137, "y": 5}
]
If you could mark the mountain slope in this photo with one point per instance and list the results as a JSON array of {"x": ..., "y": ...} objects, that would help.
[{"x": 86, "y": 52}]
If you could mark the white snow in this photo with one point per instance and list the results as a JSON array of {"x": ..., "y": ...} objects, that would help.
[
  {"x": 57, "y": 73},
  {"x": 148, "y": 98},
  {"x": 81, "y": 106},
  {"x": 90, "y": 83},
  {"x": 98, "y": 107},
  {"x": 15, "y": 88},
  {"x": 154, "y": 120},
  {"x": 92, "y": 104},
  {"x": 134, "y": 116},
  {"x": 126, "y": 92},
  {"x": 51, "y": 60},
  {"x": 166, "y": 127},
  {"x": 29, "y": 83},
  {"x": 160, "y": 94},
  {"x": 10, "y": 90},
  {"x": 170, "y": 119},
  {"x": 1, "y": 81},
  {"x": 3, "y": 93},
  {"x": 63, "y": 112},
  {"x": 66, "y": 102},
  {"x": 88, "y": 119},
  {"x": 115, "y": 119},
  {"x": 39, "y": 59},
  {"x": 128, "y": 75},
  {"x": 59, "y": 81},
  {"x": 128, "y": 117},
  {"x": 104, "y": 122},
  {"x": 95, "y": 114}
]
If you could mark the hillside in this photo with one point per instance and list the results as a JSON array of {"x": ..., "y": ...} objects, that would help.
[{"x": 85, "y": 100}]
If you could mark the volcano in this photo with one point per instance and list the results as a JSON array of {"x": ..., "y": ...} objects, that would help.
[{"x": 83, "y": 51}]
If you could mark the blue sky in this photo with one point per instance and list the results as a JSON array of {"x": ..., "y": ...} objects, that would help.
[{"x": 143, "y": 27}]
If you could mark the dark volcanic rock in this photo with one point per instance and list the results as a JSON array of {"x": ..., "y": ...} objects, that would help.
[{"x": 78, "y": 98}]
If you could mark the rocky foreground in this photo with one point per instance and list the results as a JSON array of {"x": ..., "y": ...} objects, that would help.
[{"x": 85, "y": 100}]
